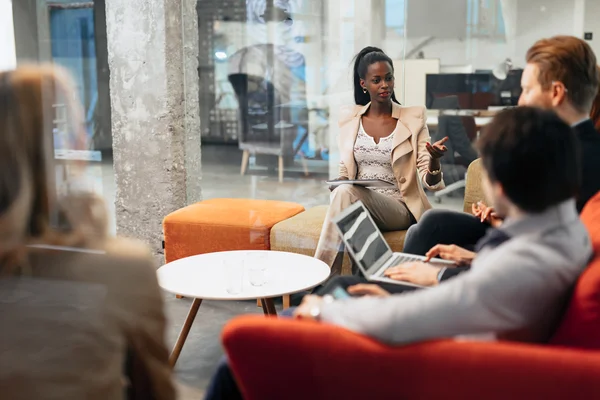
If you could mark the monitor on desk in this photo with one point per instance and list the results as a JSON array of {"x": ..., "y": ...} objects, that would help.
[
  {"x": 510, "y": 88},
  {"x": 477, "y": 91},
  {"x": 445, "y": 103}
]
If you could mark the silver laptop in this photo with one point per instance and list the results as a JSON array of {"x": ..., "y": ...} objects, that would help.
[{"x": 367, "y": 246}]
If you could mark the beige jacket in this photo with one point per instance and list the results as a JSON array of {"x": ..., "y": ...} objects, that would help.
[
  {"x": 410, "y": 159},
  {"x": 76, "y": 321}
]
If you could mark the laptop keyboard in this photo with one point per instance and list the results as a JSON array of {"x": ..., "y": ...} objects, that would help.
[{"x": 401, "y": 259}]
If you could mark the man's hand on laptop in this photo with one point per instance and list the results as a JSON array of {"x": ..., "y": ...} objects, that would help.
[
  {"x": 450, "y": 252},
  {"x": 418, "y": 273}
]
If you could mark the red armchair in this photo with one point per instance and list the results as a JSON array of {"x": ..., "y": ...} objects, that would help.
[{"x": 287, "y": 359}]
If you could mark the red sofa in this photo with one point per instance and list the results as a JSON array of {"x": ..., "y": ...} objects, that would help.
[{"x": 287, "y": 359}]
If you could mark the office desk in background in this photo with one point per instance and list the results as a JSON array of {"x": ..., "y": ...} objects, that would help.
[
  {"x": 432, "y": 121},
  {"x": 482, "y": 117}
]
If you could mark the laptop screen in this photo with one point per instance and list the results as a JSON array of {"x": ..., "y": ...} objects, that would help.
[{"x": 362, "y": 235}]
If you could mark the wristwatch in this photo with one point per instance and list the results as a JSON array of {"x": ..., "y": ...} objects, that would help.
[
  {"x": 315, "y": 312},
  {"x": 441, "y": 274}
]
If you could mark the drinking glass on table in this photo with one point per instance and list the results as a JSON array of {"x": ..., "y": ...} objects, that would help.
[{"x": 257, "y": 269}]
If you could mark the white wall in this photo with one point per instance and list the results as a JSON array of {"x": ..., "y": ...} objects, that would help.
[
  {"x": 591, "y": 23},
  {"x": 8, "y": 56},
  {"x": 439, "y": 18},
  {"x": 537, "y": 19},
  {"x": 481, "y": 54},
  {"x": 526, "y": 21}
]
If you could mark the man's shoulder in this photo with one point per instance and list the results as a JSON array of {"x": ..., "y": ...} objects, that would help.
[{"x": 566, "y": 247}]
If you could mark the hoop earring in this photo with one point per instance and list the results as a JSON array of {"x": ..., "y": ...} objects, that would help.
[{"x": 365, "y": 90}]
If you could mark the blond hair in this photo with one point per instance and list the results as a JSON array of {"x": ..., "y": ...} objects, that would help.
[{"x": 32, "y": 211}]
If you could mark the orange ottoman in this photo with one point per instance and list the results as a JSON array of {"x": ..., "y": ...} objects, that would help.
[{"x": 222, "y": 225}]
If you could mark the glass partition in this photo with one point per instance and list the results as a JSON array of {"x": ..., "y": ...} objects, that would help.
[
  {"x": 72, "y": 34},
  {"x": 274, "y": 75}
]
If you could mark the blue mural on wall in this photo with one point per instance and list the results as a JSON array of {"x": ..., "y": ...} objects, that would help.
[{"x": 73, "y": 47}]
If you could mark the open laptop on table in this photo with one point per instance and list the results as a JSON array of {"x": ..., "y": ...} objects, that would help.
[{"x": 368, "y": 247}]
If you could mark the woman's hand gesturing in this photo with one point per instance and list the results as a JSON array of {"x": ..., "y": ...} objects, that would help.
[{"x": 438, "y": 149}]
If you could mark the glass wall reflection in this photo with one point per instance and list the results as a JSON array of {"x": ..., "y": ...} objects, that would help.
[
  {"x": 72, "y": 34},
  {"x": 274, "y": 74}
]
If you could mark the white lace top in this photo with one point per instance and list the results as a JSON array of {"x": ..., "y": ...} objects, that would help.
[{"x": 374, "y": 160}]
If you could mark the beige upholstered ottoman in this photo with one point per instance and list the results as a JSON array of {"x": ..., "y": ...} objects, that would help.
[{"x": 300, "y": 234}]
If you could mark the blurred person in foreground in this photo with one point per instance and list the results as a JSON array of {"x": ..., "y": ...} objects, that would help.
[
  {"x": 82, "y": 313},
  {"x": 524, "y": 270}
]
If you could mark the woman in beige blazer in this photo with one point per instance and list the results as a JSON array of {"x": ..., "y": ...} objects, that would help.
[
  {"x": 82, "y": 313},
  {"x": 379, "y": 139}
]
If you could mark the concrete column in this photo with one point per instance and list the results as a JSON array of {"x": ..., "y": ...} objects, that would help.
[
  {"x": 153, "y": 61},
  {"x": 32, "y": 31}
]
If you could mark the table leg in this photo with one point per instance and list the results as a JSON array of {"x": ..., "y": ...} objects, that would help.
[
  {"x": 185, "y": 330},
  {"x": 268, "y": 307},
  {"x": 271, "y": 305},
  {"x": 263, "y": 304},
  {"x": 286, "y": 301}
]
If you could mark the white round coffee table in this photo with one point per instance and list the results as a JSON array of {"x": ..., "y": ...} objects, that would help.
[{"x": 202, "y": 277}]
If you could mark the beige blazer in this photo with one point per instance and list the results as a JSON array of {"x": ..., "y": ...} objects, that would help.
[
  {"x": 410, "y": 158},
  {"x": 78, "y": 320}
]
